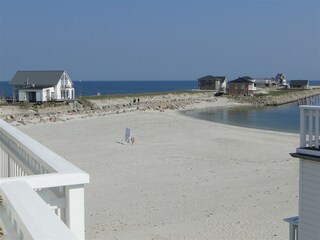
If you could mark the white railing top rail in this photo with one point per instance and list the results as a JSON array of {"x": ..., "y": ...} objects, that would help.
[
  {"x": 29, "y": 214},
  {"x": 51, "y": 179},
  {"x": 312, "y": 107},
  {"x": 47, "y": 158}
]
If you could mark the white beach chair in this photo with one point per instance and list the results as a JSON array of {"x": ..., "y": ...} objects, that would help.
[{"x": 127, "y": 136}]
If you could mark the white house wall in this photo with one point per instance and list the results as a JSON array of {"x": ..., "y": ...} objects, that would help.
[
  {"x": 252, "y": 87},
  {"x": 57, "y": 91},
  {"x": 45, "y": 96},
  {"x": 42, "y": 95},
  {"x": 39, "y": 96},
  {"x": 22, "y": 96},
  {"x": 65, "y": 84},
  {"x": 309, "y": 192}
]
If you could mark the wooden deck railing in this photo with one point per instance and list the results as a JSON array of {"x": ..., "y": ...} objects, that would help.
[{"x": 55, "y": 182}]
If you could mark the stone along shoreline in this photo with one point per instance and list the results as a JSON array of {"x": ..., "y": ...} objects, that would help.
[{"x": 25, "y": 114}]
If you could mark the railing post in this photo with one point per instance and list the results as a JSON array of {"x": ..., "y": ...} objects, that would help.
[
  {"x": 291, "y": 232},
  {"x": 302, "y": 127},
  {"x": 310, "y": 114},
  {"x": 75, "y": 210},
  {"x": 316, "y": 144}
]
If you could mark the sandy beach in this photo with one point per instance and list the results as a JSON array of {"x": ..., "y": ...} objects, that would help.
[{"x": 183, "y": 178}]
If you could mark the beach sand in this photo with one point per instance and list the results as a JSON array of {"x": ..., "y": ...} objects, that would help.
[{"x": 183, "y": 178}]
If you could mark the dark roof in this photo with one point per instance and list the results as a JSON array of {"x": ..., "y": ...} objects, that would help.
[
  {"x": 244, "y": 79},
  {"x": 280, "y": 76},
  {"x": 213, "y": 78},
  {"x": 299, "y": 82},
  {"x": 42, "y": 78}
]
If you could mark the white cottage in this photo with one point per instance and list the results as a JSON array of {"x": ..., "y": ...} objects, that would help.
[{"x": 42, "y": 86}]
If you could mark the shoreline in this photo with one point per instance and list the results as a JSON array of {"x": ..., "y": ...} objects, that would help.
[
  {"x": 101, "y": 107},
  {"x": 17, "y": 116},
  {"x": 276, "y": 100}
]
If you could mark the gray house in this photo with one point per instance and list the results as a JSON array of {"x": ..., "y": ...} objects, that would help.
[
  {"x": 42, "y": 86},
  {"x": 304, "y": 84},
  {"x": 212, "y": 83}
]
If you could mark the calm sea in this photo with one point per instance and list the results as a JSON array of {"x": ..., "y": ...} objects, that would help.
[
  {"x": 91, "y": 88},
  {"x": 284, "y": 118}
]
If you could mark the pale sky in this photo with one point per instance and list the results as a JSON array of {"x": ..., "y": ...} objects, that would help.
[{"x": 161, "y": 40}]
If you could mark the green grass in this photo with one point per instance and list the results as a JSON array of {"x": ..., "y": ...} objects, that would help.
[
  {"x": 135, "y": 95},
  {"x": 284, "y": 92}
]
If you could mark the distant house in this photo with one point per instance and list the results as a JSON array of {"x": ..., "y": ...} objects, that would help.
[
  {"x": 304, "y": 84},
  {"x": 42, "y": 86},
  {"x": 212, "y": 83},
  {"x": 243, "y": 86},
  {"x": 281, "y": 79},
  {"x": 263, "y": 82}
]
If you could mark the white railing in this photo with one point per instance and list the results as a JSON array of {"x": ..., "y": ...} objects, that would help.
[
  {"x": 309, "y": 130},
  {"x": 312, "y": 100},
  {"x": 53, "y": 180},
  {"x": 28, "y": 215}
]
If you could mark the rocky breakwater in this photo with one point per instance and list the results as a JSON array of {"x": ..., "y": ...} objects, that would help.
[
  {"x": 103, "y": 106},
  {"x": 277, "y": 98},
  {"x": 158, "y": 102}
]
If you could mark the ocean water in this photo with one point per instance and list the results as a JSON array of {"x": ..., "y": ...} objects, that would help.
[
  {"x": 90, "y": 88},
  {"x": 284, "y": 118}
]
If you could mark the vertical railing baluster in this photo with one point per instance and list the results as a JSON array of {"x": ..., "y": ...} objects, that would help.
[
  {"x": 316, "y": 144},
  {"x": 302, "y": 127},
  {"x": 291, "y": 232},
  {"x": 1, "y": 164},
  {"x": 310, "y": 128},
  {"x": 9, "y": 171}
]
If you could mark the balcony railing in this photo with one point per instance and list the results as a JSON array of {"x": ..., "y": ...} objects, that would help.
[
  {"x": 309, "y": 130},
  {"x": 35, "y": 183}
]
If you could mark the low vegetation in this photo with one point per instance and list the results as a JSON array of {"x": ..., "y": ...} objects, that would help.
[
  {"x": 135, "y": 95},
  {"x": 279, "y": 92}
]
